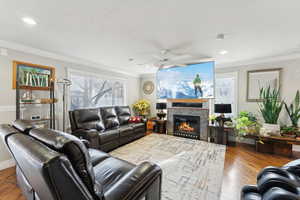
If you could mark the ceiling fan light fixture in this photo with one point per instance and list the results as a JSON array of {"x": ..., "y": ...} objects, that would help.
[
  {"x": 223, "y": 52},
  {"x": 29, "y": 21}
]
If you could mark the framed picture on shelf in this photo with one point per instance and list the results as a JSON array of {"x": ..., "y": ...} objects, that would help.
[
  {"x": 32, "y": 76},
  {"x": 257, "y": 79}
]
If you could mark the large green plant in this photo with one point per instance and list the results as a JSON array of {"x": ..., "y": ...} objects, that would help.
[
  {"x": 294, "y": 110},
  {"x": 270, "y": 106}
]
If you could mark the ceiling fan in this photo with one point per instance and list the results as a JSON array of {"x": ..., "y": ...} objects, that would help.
[{"x": 170, "y": 57}]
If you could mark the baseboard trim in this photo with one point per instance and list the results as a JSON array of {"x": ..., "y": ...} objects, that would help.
[{"x": 7, "y": 164}]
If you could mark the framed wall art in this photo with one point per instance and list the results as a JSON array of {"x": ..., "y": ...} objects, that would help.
[{"x": 257, "y": 79}]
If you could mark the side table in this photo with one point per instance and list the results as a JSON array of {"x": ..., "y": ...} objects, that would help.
[
  {"x": 160, "y": 126},
  {"x": 219, "y": 134}
]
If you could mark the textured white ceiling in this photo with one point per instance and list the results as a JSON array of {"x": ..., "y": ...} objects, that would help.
[{"x": 112, "y": 31}]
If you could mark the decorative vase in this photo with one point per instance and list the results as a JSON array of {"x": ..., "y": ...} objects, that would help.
[{"x": 270, "y": 130}]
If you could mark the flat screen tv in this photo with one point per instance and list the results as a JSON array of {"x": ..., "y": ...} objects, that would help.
[{"x": 193, "y": 81}]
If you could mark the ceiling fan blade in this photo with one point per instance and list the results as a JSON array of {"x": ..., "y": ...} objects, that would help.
[
  {"x": 182, "y": 46},
  {"x": 158, "y": 46},
  {"x": 181, "y": 57}
]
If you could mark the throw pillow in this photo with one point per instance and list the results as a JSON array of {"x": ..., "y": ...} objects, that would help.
[{"x": 135, "y": 119}]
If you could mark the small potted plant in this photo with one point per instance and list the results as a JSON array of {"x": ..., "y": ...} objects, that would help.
[
  {"x": 212, "y": 119},
  {"x": 246, "y": 123},
  {"x": 270, "y": 108},
  {"x": 294, "y": 110},
  {"x": 141, "y": 107},
  {"x": 289, "y": 131}
]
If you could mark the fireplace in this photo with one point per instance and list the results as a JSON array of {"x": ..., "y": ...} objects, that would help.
[{"x": 186, "y": 126}]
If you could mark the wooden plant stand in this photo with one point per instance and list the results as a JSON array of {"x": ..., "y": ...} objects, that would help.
[{"x": 275, "y": 145}]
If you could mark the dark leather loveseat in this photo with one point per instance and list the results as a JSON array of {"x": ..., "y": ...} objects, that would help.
[
  {"x": 275, "y": 183},
  {"x": 53, "y": 165},
  {"x": 106, "y": 128}
]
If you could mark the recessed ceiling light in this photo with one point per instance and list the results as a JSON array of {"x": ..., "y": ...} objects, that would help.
[
  {"x": 223, "y": 52},
  {"x": 220, "y": 36},
  {"x": 29, "y": 21}
]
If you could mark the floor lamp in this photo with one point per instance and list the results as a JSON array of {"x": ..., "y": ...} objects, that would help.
[{"x": 65, "y": 83}]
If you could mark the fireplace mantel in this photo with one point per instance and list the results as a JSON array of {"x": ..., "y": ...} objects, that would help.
[{"x": 188, "y": 100}]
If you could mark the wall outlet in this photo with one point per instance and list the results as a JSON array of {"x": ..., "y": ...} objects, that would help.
[{"x": 35, "y": 117}]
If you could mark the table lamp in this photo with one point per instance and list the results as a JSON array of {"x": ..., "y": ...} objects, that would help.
[
  {"x": 222, "y": 109},
  {"x": 161, "y": 106}
]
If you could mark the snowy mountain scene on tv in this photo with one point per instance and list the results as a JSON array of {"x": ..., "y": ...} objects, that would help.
[{"x": 193, "y": 81}]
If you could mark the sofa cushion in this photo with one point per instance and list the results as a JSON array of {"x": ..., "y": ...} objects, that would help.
[
  {"x": 110, "y": 118},
  {"x": 88, "y": 119},
  {"x": 123, "y": 113},
  {"x": 97, "y": 156},
  {"x": 23, "y": 126},
  {"x": 109, "y": 171},
  {"x": 109, "y": 135},
  {"x": 73, "y": 148},
  {"x": 125, "y": 130},
  {"x": 137, "y": 125}
]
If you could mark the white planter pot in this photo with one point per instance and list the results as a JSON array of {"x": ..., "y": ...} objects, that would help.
[{"x": 270, "y": 130}]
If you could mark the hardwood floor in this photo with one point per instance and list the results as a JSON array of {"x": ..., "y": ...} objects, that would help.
[
  {"x": 8, "y": 185},
  {"x": 242, "y": 164}
]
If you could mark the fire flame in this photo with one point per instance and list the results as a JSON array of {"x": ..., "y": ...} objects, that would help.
[{"x": 184, "y": 126}]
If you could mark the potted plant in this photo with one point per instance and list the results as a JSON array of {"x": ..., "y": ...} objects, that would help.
[
  {"x": 294, "y": 110},
  {"x": 141, "y": 107},
  {"x": 289, "y": 131},
  {"x": 270, "y": 108},
  {"x": 246, "y": 123}
]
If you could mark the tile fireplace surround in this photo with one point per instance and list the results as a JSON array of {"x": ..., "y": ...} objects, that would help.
[{"x": 203, "y": 113}]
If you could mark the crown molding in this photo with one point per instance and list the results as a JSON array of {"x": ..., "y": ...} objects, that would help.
[
  {"x": 268, "y": 59},
  {"x": 258, "y": 60},
  {"x": 69, "y": 59},
  {"x": 148, "y": 75}
]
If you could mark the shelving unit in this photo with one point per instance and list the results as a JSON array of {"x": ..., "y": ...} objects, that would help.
[{"x": 35, "y": 101}]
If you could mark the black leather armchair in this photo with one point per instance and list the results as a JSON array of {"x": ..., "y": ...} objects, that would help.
[
  {"x": 275, "y": 183},
  {"x": 106, "y": 128},
  {"x": 52, "y": 165}
]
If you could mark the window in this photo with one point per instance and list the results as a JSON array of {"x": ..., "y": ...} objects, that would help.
[
  {"x": 89, "y": 90},
  {"x": 226, "y": 90}
]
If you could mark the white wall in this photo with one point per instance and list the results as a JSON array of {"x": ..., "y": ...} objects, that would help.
[
  {"x": 150, "y": 97},
  {"x": 289, "y": 85},
  {"x": 7, "y": 94}
]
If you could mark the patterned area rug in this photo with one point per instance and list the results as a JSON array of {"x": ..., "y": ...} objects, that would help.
[{"x": 192, "y": 169}]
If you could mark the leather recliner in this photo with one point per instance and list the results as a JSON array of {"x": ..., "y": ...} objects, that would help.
[
  {"x": 52, "y": 165},
  {"x": 106, "y": 128},
  {"x": 275, "y": 183}
]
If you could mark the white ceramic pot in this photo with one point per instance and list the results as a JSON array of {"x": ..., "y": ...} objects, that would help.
[{"x": 270, "y": 130}]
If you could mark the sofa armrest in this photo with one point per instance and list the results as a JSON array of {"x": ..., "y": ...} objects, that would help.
[
  {"x": 249, "y": 191},
  {"x": 91, "y": 135},
  {"x": 86, "y": 143},
  {"x": 136, "y": 183}
]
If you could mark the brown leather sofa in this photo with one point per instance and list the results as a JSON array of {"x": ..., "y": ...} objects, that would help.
[
  {"x": 106, "y": 128},
  {"x": 52, "y": 165}
]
